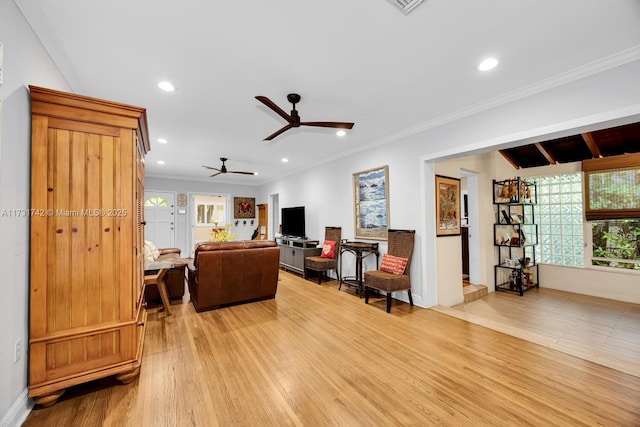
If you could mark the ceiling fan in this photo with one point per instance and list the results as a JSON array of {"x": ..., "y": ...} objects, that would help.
[
  {"x": 294, "y": 118},
  {"x": 223, "y": 169}
]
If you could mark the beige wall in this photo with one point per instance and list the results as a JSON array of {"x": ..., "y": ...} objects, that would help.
[{"x": 449, "y": 274}]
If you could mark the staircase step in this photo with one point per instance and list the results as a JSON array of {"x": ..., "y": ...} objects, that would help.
[{"x": 474, "y": 292}]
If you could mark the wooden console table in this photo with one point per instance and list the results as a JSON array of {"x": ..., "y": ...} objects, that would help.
[
  {"x": 361, "y": 250},
  {"x": 158, "y": 280}
]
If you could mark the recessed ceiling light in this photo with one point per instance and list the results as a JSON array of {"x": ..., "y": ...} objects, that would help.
[
  {"x": 161, "y": 162},
  {"x": 162, "y": 140},
  {"x": 488, "y": 64},
  {"x": 166, "y": 86},
  {"x": 341, "y": 133},
  {"x": 285, "y": 160}
]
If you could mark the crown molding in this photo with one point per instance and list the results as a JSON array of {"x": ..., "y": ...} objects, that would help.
[{"x": 592, "y": 68}]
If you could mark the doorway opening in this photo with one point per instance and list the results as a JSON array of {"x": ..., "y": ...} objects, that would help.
[
  {"x": 274, "y": 223},
  {"x": 208, "y": 212},
  {"x": 469, "y": 228}
]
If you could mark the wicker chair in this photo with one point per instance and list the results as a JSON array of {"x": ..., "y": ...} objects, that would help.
[
  {"x": 401, "y": 245},
  {"x": 320, "y": 264}
]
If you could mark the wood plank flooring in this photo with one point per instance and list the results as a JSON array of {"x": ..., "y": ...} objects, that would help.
[
  {"x": 316, "y": 356},
  {"x": 596, "y": 329}
]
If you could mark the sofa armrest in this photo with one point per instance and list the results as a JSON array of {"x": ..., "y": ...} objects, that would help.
[
  {"x": 191, "y": 269},
  {"x": 165, "y": 251},
  {"x": 192, "y": 282}
]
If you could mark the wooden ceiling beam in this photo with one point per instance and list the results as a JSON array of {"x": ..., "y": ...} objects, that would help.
[
  {"x": 592, "y": 145},
  {"x": 546, "y": 154},
  {"x": 509, "y": 159}
]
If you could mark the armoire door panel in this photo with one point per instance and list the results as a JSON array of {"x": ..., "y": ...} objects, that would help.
[
  {"x": 78, "y": 215},
  {"x": 75, "y": 351}
]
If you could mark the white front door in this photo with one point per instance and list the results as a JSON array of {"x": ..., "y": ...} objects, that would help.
[{"x": 159, "y": 216}]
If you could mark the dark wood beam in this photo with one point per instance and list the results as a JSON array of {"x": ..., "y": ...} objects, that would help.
[
  {"x": 509, "y": 159},
  {"x": 591, "y": 143},
  {"x": 545, "y": 153}
]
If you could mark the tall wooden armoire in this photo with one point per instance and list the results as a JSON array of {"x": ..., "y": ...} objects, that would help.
[{"x": 87, "y": 318}]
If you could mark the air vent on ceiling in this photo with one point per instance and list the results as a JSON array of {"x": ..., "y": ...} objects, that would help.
[{"x": 405, "y": 6}]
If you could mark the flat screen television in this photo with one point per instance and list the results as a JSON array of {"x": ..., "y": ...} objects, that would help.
[{"x": 293, "y": 222}]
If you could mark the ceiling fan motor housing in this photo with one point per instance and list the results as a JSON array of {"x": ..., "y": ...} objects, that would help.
[{"x": 293, "y": 98}]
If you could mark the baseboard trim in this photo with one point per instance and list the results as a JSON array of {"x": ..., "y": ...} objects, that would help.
[{"x": 18, "y": 412}]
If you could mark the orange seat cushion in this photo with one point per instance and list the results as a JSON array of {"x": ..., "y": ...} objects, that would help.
[{"x": 393, "y": 264}]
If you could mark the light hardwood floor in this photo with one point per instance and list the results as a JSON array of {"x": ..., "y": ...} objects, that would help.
[
  {"x": 318, "y": 356},
  {"x": 600, "y": 330}
]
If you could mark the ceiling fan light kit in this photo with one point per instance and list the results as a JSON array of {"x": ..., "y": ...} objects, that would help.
[{"x": 293, "y": 119}]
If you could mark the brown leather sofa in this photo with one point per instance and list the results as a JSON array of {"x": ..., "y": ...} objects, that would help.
[
  {"x": 227, "y": 273},
  {"x": 174, "y": 279}
]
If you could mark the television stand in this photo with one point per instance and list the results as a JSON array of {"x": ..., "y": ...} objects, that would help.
[
  {"x": 293, "y": 252},
  {"x": 298, "y": 241}
]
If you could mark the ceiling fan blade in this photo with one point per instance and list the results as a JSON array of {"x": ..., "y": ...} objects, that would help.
[
  {"x": 273, "y": 135},
  {"x": 269, "y": 103},
  {"x": 243, "y": 173},
  {"x": 209, "y": 167},
  {"x": 215, "y": 174},
  {"x": 340, "y": 125}
]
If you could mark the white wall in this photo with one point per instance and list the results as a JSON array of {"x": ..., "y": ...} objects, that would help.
[
  {"x": 182, "y": 224},
  {"x": 25, "y": 62},
  {"x": 598, "y": 101},
  {"x": 450, "y": 282},
  {"x": 326, "y": 189},
  {"x": 326, "y": 192},
  {"x": 604, "y": 99}
]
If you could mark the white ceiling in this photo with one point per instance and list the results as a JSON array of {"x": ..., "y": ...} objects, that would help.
[{"x": 359, "y": 61}]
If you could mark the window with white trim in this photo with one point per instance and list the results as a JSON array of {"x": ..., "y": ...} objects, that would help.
[
  {"x": 616, "y": 243},
  {"x": 210, "y": 213},
  {"x": 612, "y": 195}
]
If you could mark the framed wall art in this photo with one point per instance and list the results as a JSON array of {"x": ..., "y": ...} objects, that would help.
[
  {"x": 371, "y": 203},
  {"x": 244, "y": 207},
  {"x": 447, "y": 206}
]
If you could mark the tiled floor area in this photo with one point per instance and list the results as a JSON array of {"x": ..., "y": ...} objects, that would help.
[{"x": 603, "y": 331}]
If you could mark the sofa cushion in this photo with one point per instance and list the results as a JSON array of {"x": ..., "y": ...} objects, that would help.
[{"x": 150, "y": 253}]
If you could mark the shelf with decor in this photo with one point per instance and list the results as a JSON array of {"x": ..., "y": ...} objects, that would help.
[{"x": 515, "y": 235}]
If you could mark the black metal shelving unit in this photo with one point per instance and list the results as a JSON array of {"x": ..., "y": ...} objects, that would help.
[{"x": 515, "y": 235}]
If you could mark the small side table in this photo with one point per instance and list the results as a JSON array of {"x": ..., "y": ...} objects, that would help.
[
  {"x": 361, "y": 250},
  {"x": 158, "y": 280}
]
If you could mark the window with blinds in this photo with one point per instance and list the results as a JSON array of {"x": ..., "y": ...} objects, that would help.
[{"x": 612, "y": 187}]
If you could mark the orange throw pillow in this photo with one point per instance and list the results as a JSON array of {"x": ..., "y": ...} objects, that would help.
[
  {"x": 328, "y": 249},
  {"x": 393, "y": 264}
]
